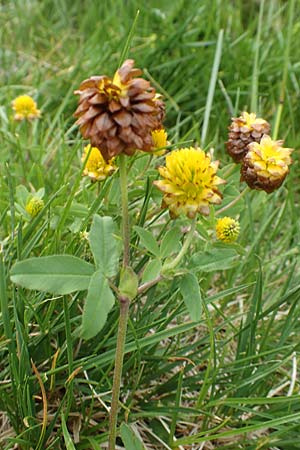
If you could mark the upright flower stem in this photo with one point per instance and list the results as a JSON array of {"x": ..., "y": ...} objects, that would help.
[
  {"x": 124, "y": 310},
  {"x": 125, "y": 216}
]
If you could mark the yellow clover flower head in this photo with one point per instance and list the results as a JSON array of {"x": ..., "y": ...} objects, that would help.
[
  {"x": 189, "y": 182},
  {"x": 227, "y": 229},
  {"x": 265, "y": 165},
  {"x": 96, "y": 167},
  {"x": 25, "y": 108},
  {"x": 160, "y": 141},
  {"x": 34, "y": 205}
]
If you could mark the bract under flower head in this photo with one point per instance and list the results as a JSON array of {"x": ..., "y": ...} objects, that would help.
[
  {"x": 25, "y": 108},
  {"x": 189, "y": 182},
  {"x": 118, "y": 114},
  {"x": 96, "y": 167},
  {"x": 227, "y": 229},
  {"x": 265, "y": 165}
]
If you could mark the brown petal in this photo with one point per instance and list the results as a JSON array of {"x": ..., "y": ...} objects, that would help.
[
  {"x": 82, "y": 108},
  {"x": 85, "y": 130},
  {"x": 123, "y": 118},
  {"x": 114, "y": 106},
  {"x": 92, "y": 112},
  {"x": 112, "y": 132},
  {"x": 115, "y": 146},
  {"x": 124, "y": 101},
  {"x": 138, "y": 85},
  {"x": 102, "y": 123},
  {"x": 143, "y": 107},
  {"x": 144, "y": 96},
  {"x": 98, "y": 99},
  {"x": 125, "y": 70},
  {"x": 125, "y": 134},
  {"x": 89, "y": 83}
]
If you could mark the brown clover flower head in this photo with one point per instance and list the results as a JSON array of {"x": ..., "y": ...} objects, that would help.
[
  {"x": 243, "y": 130},
  {"x": 265, "y": 165},
  {"x": 118, "y": 114}
]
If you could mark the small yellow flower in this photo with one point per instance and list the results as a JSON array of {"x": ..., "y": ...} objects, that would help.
[
  {"x": 160, "y": 141},
  {"x": 25, "y": 108},
  {"x": 227, "y": 229},
  {"x": 34, "y": 205},
  {"x": 190, "y": 182},
  {"x": 96, "y": 167},
  {"x": 265, "y": 165}
]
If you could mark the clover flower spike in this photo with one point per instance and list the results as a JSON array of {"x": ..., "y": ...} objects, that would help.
[
  {"x": 189, "y": 182},
  {"x": 160, "y": 141},
  {"x": 243, "y": 130},
  {"x": 265, "y": 165},
  {"x": 25, "y": 108},
  {"x": 96, "y": 167},
  {"x": 227, "y": 229},
  {"x": 34, "y": 205},
  {"x": 118, "y": 114}
]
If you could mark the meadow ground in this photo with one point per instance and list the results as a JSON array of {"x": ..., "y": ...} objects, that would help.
[{"x": 226, "y": 381}]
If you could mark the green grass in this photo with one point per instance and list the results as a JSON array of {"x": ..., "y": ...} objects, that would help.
[{"x": 227, "y": 382}]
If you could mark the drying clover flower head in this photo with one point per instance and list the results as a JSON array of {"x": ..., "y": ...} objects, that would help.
[
  {"x": 265, "y": 166},
  {"x": 96, "y": 167},
  {"x": 227, "y": 229},
  {"x": 118, "y": 114},
  {"x": 34, "y": 205},
  {"x": 160, "y": 141},
  {"x": 189, "y": 182},
  {"x": 243, "y": 130},
  {"x": 25, "y": 108}
]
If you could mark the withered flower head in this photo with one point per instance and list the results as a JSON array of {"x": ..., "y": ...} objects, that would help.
[
  {"x": 118, "y": 114},
  {"x": 265, "y": 165},
  {"x": 243, "y": 130}
]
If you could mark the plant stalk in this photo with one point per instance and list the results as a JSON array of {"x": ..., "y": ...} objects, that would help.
[
  {"x": 171, "y": 265},
  {"x": 121, "y": 337},
  {"x": 125, "y": 215},
  {"x": 124, "y": 310}
]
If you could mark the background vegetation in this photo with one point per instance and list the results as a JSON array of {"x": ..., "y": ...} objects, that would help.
[{"x": 227, "y": 382}]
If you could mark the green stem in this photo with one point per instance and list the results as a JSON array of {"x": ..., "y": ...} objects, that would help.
[
  {"x": 171, "y": 265},
  {"x": 70, "y": 357},
  {"x": 125, "y": 216},
  {"x": 124, "y": 309},
  {"x": 233, "y": 202}
]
